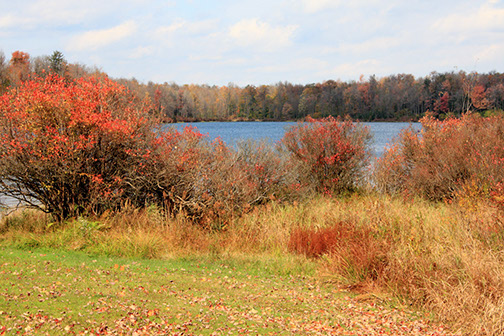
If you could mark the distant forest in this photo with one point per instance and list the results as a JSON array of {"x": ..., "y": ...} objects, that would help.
[{"x": 400, "y": 97}]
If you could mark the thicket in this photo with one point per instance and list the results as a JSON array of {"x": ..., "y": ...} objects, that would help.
[
  {"x": 87, "y": 146},
  {"x": 330, "y": 153}
]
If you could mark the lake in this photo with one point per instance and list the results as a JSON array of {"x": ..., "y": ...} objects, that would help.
[{"x": 231, "y": 132}]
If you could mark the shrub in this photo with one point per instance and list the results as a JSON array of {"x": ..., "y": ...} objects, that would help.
[
  {"x": 438, "y": 162},
  {"x": 70, "y": 147},
  {"x": 211, "y": 182},
  {"x": 330, "y": 153}
]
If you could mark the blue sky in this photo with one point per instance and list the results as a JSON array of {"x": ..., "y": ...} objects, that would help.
[{"x": 260, "y": 41}]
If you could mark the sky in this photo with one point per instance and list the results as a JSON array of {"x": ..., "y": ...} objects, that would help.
[{"x": 260, "y": 41}]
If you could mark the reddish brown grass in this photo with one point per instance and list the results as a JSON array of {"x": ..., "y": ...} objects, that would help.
[{"x": 351, "y": 250}]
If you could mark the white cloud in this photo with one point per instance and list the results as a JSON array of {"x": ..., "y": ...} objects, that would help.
[
  {"x": 252, "y": 32},
  {"x": 186, "y": 34},
  {"x": 186, "y": 27},
  {"x": 486, "y": 18},
  {"x": 51, "y": 13},
  {"x": 176, "y": 25},
  {"x": 312, "y": 6},
  {"x": 9, "y": 20},
  {"x": 62, "y": 11},
  {"x": 95, "y": 39}
]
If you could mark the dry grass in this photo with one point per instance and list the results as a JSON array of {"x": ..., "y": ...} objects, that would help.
[{"x": 443, "y": 257}]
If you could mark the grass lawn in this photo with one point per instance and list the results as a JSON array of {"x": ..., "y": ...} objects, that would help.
[{"x": 63, "y": 292}]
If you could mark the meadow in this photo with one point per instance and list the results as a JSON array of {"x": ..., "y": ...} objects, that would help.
[{"x": 411, "y": 256}]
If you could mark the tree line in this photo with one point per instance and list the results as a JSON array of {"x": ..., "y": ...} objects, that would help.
[{"x": 394, "y": 97}]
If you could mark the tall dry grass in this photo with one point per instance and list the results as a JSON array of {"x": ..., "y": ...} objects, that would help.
[
  {"x": 446, "y": 258},
  {"x": 451, "y": 257}
]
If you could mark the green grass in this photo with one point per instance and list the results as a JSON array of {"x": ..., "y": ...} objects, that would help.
[{"x": 49, "y": 291}]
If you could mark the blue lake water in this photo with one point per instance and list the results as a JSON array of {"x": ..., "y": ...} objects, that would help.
[{"x": 231, "y": 132}]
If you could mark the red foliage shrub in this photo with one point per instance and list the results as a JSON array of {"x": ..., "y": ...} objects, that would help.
[
  {"x": 331, "y": 153},
  {"x": 73, "y": 146},
  {"x": 446, "y": 155}
]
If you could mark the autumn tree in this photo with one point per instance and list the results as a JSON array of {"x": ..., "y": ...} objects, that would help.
[
  {"x": 40, "y": 66},
  {"x": 441, "y": 105},
  {"x": 19, "y": 67},
  {"x": 352, "y": 100},
  {"x": 478, "y": 98},
  {"x": 496, "y": 96},
  {"x": 308, "y": 101},
  {"x": 247, "y": 104}
]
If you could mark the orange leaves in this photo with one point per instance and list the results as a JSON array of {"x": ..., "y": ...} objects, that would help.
[
  {"x": 19, "y": 57},
  {"x": 120, "y": 268},
  {"x": 19, "y": 66}
]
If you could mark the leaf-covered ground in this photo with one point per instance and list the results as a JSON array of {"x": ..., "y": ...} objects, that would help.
[{"x": 60, "y": 293}]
